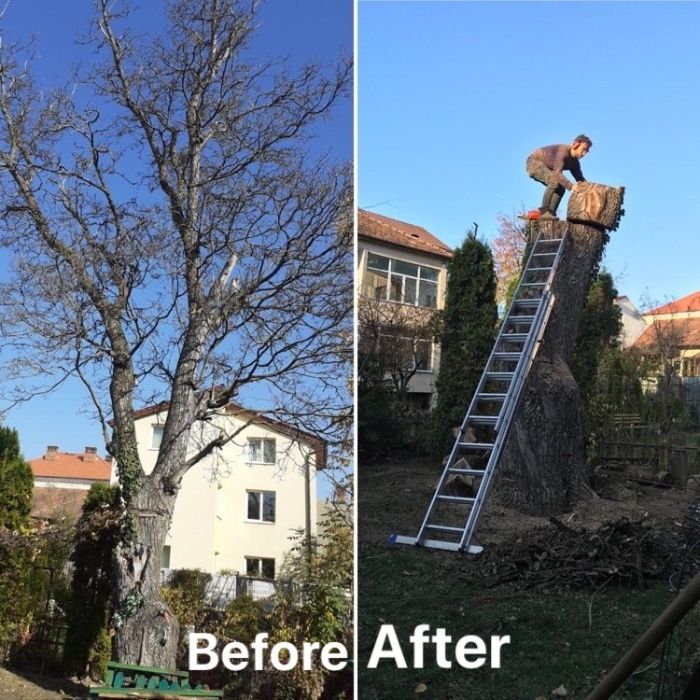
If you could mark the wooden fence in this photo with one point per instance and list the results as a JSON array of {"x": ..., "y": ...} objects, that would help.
[{"x": 640, "y": 448}]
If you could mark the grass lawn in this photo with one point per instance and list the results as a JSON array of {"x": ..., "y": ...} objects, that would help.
[{"x": 567, "y": 638}]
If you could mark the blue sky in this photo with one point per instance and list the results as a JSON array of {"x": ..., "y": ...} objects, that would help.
[
  {"x": 453, "y": 96},
  {"x": 303, "y": 30}
]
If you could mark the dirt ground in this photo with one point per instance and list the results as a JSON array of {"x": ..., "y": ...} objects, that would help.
[
  {"x": 33, "y": 687},
  {"x": 406, "y": 489}
]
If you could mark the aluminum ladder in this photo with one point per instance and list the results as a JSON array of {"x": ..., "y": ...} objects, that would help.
[{"x": 461, "y": 492}]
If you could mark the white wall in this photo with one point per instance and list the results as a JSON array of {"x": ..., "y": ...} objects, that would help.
[
  {"x": 210, "y": 530},
  {"x": 60, "y": 483}
]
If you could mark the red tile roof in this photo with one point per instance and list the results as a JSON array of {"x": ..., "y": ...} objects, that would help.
[
  {"x": 682, "y": 332},
  {"x": 387, "y": 230},
  {"x": 691, "y": 302},
  {"x": 69, "y": 465}
]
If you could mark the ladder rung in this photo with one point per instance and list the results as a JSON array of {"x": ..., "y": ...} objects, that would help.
[
  {"x": 550, "y": 240},
  {"x": 476, "y": 445},
  {"x": 466, "y": 472},
  {"x": 533, "y": 284},
  {"x": 538, "y": 269},
  {"x": 486, "y": 396},
  {"x": 542, "y": 255},
  {"x": 532, "y": 303},
  {"x": 514, "y": 337},
  {"x": 518, "y": 320},
  {"x": 445, "y": 528},
  {"x": 500, "y": 376},
  {"x": 483, "y": 420},
  {"x": 456, "y": 499},
  {"x": 507, "y": 355}
]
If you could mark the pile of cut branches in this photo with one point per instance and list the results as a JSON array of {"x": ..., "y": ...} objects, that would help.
[{"x": 620, "y": 552}]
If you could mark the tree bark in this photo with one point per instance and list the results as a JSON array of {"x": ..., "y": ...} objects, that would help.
[
  {"x": 543, "y": 467},
  {"x": 147, "y": 632}
]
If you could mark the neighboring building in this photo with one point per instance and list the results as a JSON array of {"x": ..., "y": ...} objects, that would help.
[
  {"x": 62, "y": 479},
  {"x": 238, "y": 507},
  {"x": 673, "y": 329},
  {"x": 403, "y": 264},
  {"x": 633, "y": 323}
]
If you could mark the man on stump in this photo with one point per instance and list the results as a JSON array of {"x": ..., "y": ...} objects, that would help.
[{"x": 546, "y": 165}]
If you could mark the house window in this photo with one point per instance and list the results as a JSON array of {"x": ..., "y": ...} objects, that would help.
[
  {"x": 260, "y": 567},
  {"x": 261, "y": 450},
  {"x": 406, "y": 351},
  {"x": 388, "y": 279},
  {"x": 261, "y": 506},
  {"x": 165, "y": 557},
  {"x": 157, "y": 436},
  {"x": 423, "y": 354}
]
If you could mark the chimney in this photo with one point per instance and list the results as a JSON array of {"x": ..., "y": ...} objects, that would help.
[
  {"x": 108, "y": 459},
  {"x": 90, "y": 454},
  {"x": 51, "y": 452}
]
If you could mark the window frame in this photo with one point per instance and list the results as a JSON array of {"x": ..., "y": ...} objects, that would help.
[
  {"x": 261, "y": 493},
  {"x": 260, "y": 567},
  {"x": 419, "y": 280},
  {"x": 156, "y": 428},
  {"x": 262, "y": 451}
]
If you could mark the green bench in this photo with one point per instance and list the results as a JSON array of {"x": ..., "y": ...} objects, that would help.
[{"x": 134, "y": 681}]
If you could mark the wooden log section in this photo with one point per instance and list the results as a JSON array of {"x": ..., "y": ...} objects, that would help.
[{"x": 596, "y": 205}]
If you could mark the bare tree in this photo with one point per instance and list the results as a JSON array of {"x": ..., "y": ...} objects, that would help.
[
  {"x": 174, "y": 237},
  {"x": 400, "y": 337},
  {"x": 662, "y": 344}
]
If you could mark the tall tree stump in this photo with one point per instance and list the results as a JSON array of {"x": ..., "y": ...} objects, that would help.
[{"x": 543, "y": 467}]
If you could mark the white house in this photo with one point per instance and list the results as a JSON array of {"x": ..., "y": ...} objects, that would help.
[
  {"x": 237, "y": 508},
  {"x": 633, "y": 323}
]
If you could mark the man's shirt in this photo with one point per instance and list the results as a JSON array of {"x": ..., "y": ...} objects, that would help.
[{"x": 558, "y": 158}]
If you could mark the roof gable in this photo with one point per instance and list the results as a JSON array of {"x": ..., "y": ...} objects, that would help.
[
  {"x": 400, "y": 233},
  {"x": 316, "y": 443}
]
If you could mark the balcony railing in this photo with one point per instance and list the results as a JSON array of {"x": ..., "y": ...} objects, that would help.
[{"x": 223, "y": 588}]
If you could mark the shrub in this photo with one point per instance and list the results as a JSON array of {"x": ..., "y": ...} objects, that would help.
[
  {"x": 97, "y": 533},
  {"x": 17, "y": 602}
]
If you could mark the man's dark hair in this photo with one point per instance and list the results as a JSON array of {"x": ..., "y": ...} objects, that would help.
[{"x": 584, "y": 138}]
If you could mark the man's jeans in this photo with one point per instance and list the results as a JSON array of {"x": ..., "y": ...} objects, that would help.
[{"x": 554, "y": 191}]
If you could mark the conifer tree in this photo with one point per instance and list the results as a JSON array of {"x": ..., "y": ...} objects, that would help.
[
  {"x": 16, "y": 482},
  {"x": 599, "y": 330},
  {"x": 469, "y": 325}
]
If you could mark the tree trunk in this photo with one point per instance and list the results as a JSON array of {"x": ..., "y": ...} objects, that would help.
[
  {"x": 543, "y": 465},
  {"x": 147, "y": 632}
]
